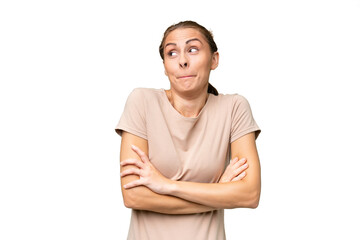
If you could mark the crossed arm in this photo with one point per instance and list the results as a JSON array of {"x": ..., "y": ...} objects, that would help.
[{"x": 145, "y": 188}]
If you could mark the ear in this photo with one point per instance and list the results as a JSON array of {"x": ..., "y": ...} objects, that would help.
[{"x": 214, "y": 60}]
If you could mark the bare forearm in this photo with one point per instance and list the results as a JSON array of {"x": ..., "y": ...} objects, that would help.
[
  {"x": 142, "y": 198},
  {"x": 145, "y": 188},
  {"x": 218, "y": 195}
]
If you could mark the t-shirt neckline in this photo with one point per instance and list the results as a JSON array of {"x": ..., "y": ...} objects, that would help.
[{"x": 179, "y": 114}]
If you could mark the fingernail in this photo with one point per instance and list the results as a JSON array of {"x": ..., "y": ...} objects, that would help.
[{"x": 245, "y": 165}]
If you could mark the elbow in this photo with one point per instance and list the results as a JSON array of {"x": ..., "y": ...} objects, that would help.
[
  {"x": 130, "y": 199},
  {"x": 254, "y": 203},
  {"x": 249, "y": 200},
  {"x": 128, "y": 203},
  {"x": 254, "y": 199},
  {"x": 135, "y": 198}
]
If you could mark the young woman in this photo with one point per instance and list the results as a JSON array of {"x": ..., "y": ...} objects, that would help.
[{"x": 177, "y": 143}]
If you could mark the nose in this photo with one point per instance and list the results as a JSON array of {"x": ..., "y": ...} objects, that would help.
[
  {"x": 183, "y": 61},
  {"x": 183, "y": 65}
]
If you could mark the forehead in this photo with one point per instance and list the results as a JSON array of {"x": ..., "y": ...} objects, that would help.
[{"x": 182, "y": 34}]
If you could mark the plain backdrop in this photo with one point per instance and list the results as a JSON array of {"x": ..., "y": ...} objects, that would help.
[{"x": 67, "y": 67}]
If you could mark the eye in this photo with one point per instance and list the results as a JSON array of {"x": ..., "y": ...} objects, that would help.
[
  {"x": 172, "y": 53},
  {"x": 193, "y": 49}
]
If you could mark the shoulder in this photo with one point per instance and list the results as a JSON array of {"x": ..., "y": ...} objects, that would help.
[
  {"x": 231, "y": 100},
  {"x": 141, "y": 94},
  {"x": 145, "y": 91},
  {"x": 235, "y": 105}
]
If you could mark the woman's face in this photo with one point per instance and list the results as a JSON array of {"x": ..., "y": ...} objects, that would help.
[{"x": 188, "y": 60}]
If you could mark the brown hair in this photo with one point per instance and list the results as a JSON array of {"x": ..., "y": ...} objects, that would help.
[{"x": 206, "y": 33}]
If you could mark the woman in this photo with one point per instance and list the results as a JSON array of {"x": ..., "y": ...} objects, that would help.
[{"x": 177, "y": 143}]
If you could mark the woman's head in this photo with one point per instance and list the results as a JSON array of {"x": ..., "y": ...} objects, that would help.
[{"x": 189, "y": 53}]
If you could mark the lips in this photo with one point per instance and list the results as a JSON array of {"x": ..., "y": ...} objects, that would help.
[{"x": 186, "y": 76}]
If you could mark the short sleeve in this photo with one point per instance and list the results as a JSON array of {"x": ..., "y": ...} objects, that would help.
[
  {"x": 133, "y": 118},
  {"x": 242, "y": 120}
]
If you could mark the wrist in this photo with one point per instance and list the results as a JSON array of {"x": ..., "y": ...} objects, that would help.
[{"x": 171, "y": 187}]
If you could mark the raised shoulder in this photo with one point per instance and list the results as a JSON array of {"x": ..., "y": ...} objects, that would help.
[
  {"x": 146, "y": 91},
  {"x": 145, "y": 94},
  {"x": 140, "y": 97},
  {"x": 135, "y": 114},
  {"x": 138, "y": 93},
  {"x": 233, "y": 102},
  {"x": 240, "y": 103},
  {"x": 231, "y": 98},
  {"x": 239, "y": 99}
]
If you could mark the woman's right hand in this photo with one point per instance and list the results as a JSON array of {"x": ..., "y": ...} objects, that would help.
[{"x": 235, "y": 171}]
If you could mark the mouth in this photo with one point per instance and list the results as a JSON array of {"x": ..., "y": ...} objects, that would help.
[{"x": 186, "y": 76}]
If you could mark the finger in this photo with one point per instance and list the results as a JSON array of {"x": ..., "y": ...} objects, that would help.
[
  {"x": 240, "y": 169},
  {"x": 240, "y": 162},
  {"x": 141, "y": 154},
  {"x": 239, "y": 177},
  {"x": 133, "y": 184},
  {"x": 132, "y": 161},
  {"x": 234, "y": 160},
  {"x": 131, "y": 171}
]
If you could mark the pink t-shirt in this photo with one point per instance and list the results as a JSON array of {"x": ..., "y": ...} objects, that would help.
[{"x": 185, "y": 149}]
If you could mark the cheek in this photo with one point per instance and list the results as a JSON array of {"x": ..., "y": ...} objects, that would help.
[
  {"x": 170, "y": 66},
  {"x": 202, "y": 64}
]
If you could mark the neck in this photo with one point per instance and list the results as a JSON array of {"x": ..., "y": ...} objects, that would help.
[{"x": 188, "y": 106}]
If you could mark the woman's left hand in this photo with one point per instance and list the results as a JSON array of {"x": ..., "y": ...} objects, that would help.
[
  {"x": 235, "y": 171},
  {"x": 149, "y": 175}
]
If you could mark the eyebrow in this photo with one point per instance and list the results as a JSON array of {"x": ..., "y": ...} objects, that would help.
[{"x": 187, "y": 42}]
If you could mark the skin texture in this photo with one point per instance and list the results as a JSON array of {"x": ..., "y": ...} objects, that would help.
[
  {"x": 188, "y": 62},
  {"x": 234, "y": 194},
  {"x": 143, "y": 198}
]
